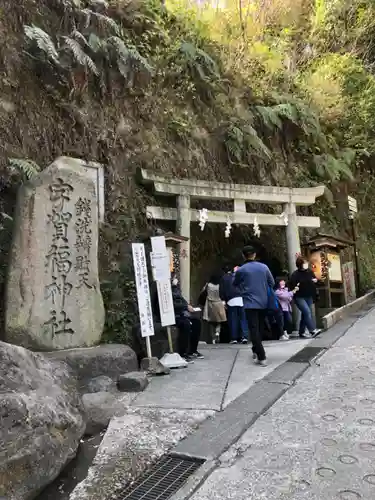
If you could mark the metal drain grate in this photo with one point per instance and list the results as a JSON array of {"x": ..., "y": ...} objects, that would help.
[
  {"x": 305, "y": 355},
  {"x": 162, "y": 480}
]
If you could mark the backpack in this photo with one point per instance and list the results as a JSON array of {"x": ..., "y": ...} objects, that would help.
[{"x": 273, "y": 302}]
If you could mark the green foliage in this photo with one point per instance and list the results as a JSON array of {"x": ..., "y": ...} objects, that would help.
[
  {"x": 102, "y": 20},
  {"x": 42, "y": 42},
  {"x": 79, "y": 56},
  {"x": 242, "y": 139},
  {"x": 27, "y": 168},
  {"x": 120, "y": 299},
  {"x": 334, "y": 169},
  {"x": 112, "y": 49},
  {"x": 198, "y": 63},
  {"x": 129, "y": 61}
]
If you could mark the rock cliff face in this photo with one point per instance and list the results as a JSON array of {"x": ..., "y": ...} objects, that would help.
[{"x": 41, "y": 421}]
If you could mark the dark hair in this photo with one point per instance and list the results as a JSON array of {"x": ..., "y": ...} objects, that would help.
[
  {"x": 248, "y": 251},
  {"x": 215, "y": 278},
  {"x": 278, "y": 279},
  {"x": 299, "y": 262},
  {"x": 227, "y": 268}
]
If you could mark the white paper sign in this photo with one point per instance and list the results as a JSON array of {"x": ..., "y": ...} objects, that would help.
[
  {"x": 143, "y": 290},
  {"x": 160, "y": 266},
  {"x": 162, "y": 276},
  {"x": 353, "y": 207},
  {"x": 165, "y": 303}
]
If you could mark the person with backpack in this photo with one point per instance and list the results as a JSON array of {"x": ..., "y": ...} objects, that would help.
[
  {"x": 238, "y": 328},
  {"x": 275, "y": 318}
]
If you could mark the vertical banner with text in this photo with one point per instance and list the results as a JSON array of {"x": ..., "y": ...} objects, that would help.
[
  {"x": 160, "y": 259},
  {"x": 143, "y": 290}
]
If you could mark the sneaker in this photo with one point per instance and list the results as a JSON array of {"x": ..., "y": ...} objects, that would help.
[
  {"x": 216, "y": 338},
  {"x": 263, "y": 362},
  {"x": 287, "y": 335},
  {"x": 284, "y": 337},
  {"x": 198, "y": 355},
  {"x": 233, "y": 342},
  {"x": 305, "y": 336},
  {"x": 188, "y": 359},
  {"x": 244, "y": 341},
  {"x": 316, "y": 332}
]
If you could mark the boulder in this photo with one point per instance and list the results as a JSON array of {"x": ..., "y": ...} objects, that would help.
[
  {"x": 100, "y": 407},
  {"x": 101, "y": 384},
  {"x": 53, "y": 292},
  {"x": 154, "y": 367},
  {"x": 110, "y": 360},
  {"x": 132, "y": 382},
  {"x": 42, "y": 421}
]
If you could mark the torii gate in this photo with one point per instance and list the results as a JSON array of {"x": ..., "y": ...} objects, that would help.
[{"x": 186, "y": 189}]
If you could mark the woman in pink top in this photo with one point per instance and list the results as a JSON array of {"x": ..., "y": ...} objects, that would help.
[{"x": 285, "y": 298}]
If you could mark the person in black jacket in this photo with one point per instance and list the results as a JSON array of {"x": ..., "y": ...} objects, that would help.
[
  {"x": 189, "y": 327},
  {"x": 237, "y": 322},
  {"x": 304, "y": 279}
]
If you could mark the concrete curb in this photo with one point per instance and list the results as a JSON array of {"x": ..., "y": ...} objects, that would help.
[
  {"x": 194, "y": 481},
  {"x": 215, "y": 435},
  {"x": 338, "y": 314}
]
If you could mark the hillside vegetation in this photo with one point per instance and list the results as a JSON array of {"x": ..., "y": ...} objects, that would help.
[{"x": 257, "y": 91}]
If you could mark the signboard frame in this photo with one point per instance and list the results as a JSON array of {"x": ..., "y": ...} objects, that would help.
[
  {"x": 143, "y": 290},
  {"x": 162, "y": 275}
]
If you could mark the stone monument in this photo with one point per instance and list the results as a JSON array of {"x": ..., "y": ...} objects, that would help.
[{"x": 53, "y": 295}]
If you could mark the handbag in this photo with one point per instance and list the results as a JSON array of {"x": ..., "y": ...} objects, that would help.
[{"x": 203, "y": 296}]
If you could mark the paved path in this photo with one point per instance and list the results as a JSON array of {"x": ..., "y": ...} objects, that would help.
[
  {"x": 216, "y": 381},
  {"x": 317, "y": 441}
]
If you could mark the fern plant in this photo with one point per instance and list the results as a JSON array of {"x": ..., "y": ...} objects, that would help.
[
  {"x": 79, "y": 55},
  {"x": 333, "y": 168},
  {"x": 102, "y": 19},
  {"x": 69, "y": 5},
  {"x": 272, "y": 117},
  {"x": 27, "y": 168},
  {"x": 81, "y": 50},
  {"x": 241, "y": 140},
  {"x": 43, "y": 43},
  {"x": 199, "y": 63},
  {"x": 234, "y": 143},
  {"x": 269, "y": 117},
  {"x": 128, "y": 59}
]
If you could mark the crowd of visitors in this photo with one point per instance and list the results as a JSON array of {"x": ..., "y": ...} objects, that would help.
[{"x": 249, "y": 300}]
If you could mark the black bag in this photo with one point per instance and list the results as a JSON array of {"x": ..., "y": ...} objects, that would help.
[{"x": 202, "y": 297}]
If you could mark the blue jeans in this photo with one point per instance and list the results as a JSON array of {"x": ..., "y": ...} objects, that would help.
[
  {"x": 307, "y": 321},
  {"x": 237, "y": 323},
  {"x": 288, "y": 322}
]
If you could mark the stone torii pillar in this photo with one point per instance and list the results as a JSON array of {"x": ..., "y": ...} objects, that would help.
[
  {"x": 183, "y": 229},
  {"x": 292, "y": 236}
]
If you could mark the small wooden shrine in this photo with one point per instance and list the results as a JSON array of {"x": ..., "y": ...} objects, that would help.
[{"x": 332, "y": 260}]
